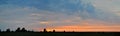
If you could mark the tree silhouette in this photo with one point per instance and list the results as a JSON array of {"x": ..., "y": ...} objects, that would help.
[
  {"x": 18, "y": 29},
  {"x": 64, "y": 30},
  {"x": 53, "y": 30},
  {"x": 24, "y": 30},
  {"x": 8, "y": 30},
  {"x": 45, "y": 30}
]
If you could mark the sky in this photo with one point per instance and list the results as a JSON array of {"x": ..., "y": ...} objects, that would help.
[{"x": 68, "y": 15}]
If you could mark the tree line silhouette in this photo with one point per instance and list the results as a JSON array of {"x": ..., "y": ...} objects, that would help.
[{"x": 23, "y": 30}]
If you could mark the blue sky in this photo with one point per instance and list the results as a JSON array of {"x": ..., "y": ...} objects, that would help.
[{"x": 42, "y": 13}]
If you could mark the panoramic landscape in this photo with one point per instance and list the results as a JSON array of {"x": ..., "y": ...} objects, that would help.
[{"x": 59, "y": 17}]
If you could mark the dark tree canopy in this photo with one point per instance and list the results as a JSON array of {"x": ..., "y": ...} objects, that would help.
[
  {"x": 45, "y": 30},
  {"x": 7, "y": 30},
  {"x": 18, "y": 29},
  {"x": 53, "y": 30},
  {"x": 23, "y": 30}
]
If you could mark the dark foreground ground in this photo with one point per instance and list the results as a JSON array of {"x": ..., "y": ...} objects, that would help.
[{"x": 59, "y": 34}]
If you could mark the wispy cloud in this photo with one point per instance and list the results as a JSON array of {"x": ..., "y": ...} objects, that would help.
[{"x": 39, "y": 13}]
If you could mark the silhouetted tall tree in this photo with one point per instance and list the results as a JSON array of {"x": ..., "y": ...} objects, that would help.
[
  {"x": 53, "y": 30},
  {"x": 45, "y": 30},
  {"x": 8, "y": 30},
  {"x": 24, "y": 30},
  {"x": 18, "y": 29},
  {"x": 64, "y": 30}
]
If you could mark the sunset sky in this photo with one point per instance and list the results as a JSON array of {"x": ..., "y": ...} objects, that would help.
[{"x": 68, "y": 15}]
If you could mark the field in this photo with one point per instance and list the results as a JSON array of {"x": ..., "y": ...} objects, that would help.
[{"x": 59, "y": 34}]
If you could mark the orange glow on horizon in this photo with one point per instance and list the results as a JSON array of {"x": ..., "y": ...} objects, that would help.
[
  {"x": 85, "y": 28},
  {"x": 85, "y": 25}
]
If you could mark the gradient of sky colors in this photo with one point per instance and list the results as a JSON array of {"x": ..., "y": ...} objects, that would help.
[{"x": 60, "y": 14}]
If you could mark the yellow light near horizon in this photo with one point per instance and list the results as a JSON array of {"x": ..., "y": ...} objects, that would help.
[
  {"x": 49, "y": 30},
  {"x": 44, "y": 22},
  {"x": 86, "y": 28}
]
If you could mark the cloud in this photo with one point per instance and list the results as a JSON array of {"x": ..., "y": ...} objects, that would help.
[
  {"x": 110, "y": 6},
  {"x": 40, "y": 13},
  {"x": 31, "y": 16}
]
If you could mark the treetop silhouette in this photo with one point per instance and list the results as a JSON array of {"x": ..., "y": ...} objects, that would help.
[
  {"x": 8, "y": 30},
  {"x": 24, "y": 30}
]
